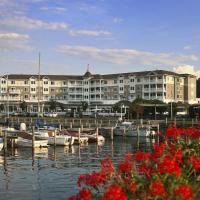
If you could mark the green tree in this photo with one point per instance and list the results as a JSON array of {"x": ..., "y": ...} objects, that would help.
[
  {"x": 52, "y": 105},
  {"x": 1, "y": 107},
  {"x": 23, "y": 105},
  {"x": 62, "y": 106},
  {"x": 84, "y": 105}
]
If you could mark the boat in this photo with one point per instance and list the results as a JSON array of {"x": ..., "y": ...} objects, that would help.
[
  {"x": 1, "y": 144},
  {"x": 63, "y": 140},
  {"x": 77, "y": 139},
  {"x": 130, "y": 130},
  {"x": 22, "y": 142},
  {"x": 94, "y": 137}
]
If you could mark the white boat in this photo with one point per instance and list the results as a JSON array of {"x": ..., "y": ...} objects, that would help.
[
  {"x": 129, "y": 130},
  {"x": 1, "y": 144},
  {"x": 21, "y": 142},
  {"x": 63, "y": 140}
]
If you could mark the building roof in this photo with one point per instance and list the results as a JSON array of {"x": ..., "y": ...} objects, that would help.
[{"x": 95, "y": 76}]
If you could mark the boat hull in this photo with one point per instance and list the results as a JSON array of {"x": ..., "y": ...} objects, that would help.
[{"x": 21, "y": 142}]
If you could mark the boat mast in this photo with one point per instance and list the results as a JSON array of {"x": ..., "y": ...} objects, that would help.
[{"x": 39, "y": 86}]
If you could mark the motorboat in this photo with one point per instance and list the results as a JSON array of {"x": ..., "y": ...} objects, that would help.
[
  {"x": 78, "y": 139},
  {"x": 22, "y": 142},
  {"x": 128, "y": 129},
  {"x": 63, "y": 140}
]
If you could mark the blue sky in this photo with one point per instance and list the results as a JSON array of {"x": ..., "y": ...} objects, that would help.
[{"x": 112, "y": 36}]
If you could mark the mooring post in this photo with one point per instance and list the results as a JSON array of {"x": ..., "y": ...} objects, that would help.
[
  {"x": 60, "y": 127},
  {"x": 55, "y": 132},
  {"x": 70, "y": 125},
  {"x": 138, "y": 136},
  {"x": 5, "y": 142},
  {"x": 97, "y": 133},
  {"x": 79, "y": 135},
  {"x": 124, "y": 131},
  {"x": 111, "y": 134},
  {"x": 33, "y": 137}
]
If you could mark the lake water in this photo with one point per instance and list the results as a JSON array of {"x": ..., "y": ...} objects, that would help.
[{"x": 52, "y": 172}]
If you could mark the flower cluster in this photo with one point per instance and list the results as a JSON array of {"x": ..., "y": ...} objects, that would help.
[{"x": 170, "y": 171}]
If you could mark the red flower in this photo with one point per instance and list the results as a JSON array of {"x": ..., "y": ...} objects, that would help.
[
  {"x": 185, "y": 192},
  {"x": 84, "y": 194},
  {"x": 157, "y": 189},
  {"x": 125, "y": 167},
  {"x": 115, "y": 192},
  {"x": 140, "y": 156},
  {"x": 132, "y": 187},
  {"x": 169, "y": 165},
  {"x": 107, "y": 166},
  {"x": 94, "y": 179},
  {"x": 158, "y": 150},
  {"x": 195, "y": 162}
]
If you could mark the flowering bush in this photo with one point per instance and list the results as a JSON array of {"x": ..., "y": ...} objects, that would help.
[{"x": 171, "y": 171}]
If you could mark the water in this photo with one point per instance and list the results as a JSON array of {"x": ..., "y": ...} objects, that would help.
[{"x": 52, "y": 172}]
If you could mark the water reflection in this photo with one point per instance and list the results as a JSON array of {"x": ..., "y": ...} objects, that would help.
[{"x": 51, "y": 173}]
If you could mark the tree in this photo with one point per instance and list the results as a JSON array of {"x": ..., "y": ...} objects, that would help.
[
  {"x": 52, "y": 105},
  {"x": 84, "y": 105},
  {"x": 62, "y": 106},
  {"x": 117, "y": 106},
  {"x": 137, "y": 109},
  {"x": 1, "y": 107},
  {"x": 23, "y": 105}
]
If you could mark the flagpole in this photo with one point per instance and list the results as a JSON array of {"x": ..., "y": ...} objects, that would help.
[
  {"x": 39, "y": 86},
  {"x": 7, "y": 99}
]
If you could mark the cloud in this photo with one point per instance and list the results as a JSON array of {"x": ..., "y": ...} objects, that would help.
[
  {"x": 187, "y": 47},
  {"x": 186, "y": 69},
  {"x": 126, "y": 56},
  {"x": 28, "y": 23},
  {"x": 53, "y": 9},
  {"x": 14, "y": 36},
  {"x": 117, "y": 20},
  {"x": 89, "y": 33}
]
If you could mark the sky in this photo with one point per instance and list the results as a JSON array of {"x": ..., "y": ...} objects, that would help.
[{"x": 112, "y": 36}]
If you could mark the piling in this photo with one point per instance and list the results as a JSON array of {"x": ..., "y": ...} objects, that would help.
[
  {"x": 81, "y": 127},
  {"x": 5, "y": 142},
  {"x": 138, "y": 136},
  {"x": 55, "y": 137},
  {"x": 79, "y": 135},
  {"x": 111, "y": 134},
  {"x": 60, "y": 127},
  {"x": 97, "y": 133},
  {"x": 33, "y": 137},
  {"x": 70, "y": 125},
  {"x": 124, "y": 131}
]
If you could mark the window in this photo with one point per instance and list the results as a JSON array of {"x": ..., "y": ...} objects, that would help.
[
  {"x": 121, "y": 88},
  {"x": 105, "y": 82},
  {"x": 146, "y": 86},
  {"x": 3, "y": 82},
  {"x": 25, "y": 89},
  {"x": 115, "y": 81},
  {"x": 52, "y": 90},
  {"x": 64, "y": 83},
  {"x": 132, "y": 88},
  {"x": 159, "y": 94},
  {"x": 26, "y": 82},
  {"x": 33, "y": 82},
  {"x": 138, "y": 80},
  {"x": 25, "y": 96},
  {"x": 12, "y": 82},
  {"x": 32, "y": 89},
  {"x": 132, "y": 80},
  {"x": 121, "y": 81},
  {"x": 46, "y": 89},
  {"x": 45, "y": 82},
  {"x": 153, "y": 86}
]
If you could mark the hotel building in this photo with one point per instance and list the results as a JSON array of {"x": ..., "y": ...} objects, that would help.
[{"x": 100, "y": 91}]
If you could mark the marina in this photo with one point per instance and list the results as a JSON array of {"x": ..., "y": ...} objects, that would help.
[{"x": 51, "y": 173}]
